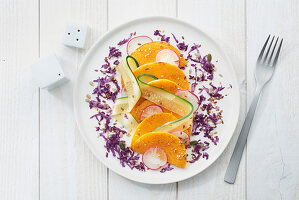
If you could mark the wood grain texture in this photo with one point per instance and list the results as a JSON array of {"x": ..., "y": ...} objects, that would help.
[
  {"x": 68, "y": 168},
  {"x": 224, "y": 21},
  {"x": 129, "y": 10},
  {"x": 132, "y": 9},
  {"x": 42, "y": 155},
  {"x": 19, "y": 136},
  {"x": 273, "y": 150}
]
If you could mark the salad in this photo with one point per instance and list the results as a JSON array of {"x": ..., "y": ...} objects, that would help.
[{"x": 156, "y": 104}]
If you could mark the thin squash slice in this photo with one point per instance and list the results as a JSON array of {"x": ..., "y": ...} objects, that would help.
[
  {"x": 147, "y": 52},
  {"x": 174, "y": 148}
]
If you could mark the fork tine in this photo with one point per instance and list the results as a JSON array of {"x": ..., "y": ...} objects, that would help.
[
  {"x": 273, "y": 51},
  {"x": 277, "y": 54},
  {"x": 263, "y": 49},
  {"x": 265, "y": 58}
]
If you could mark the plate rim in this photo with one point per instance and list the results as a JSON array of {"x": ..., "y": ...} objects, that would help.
[{"x": 76, "y": 85}]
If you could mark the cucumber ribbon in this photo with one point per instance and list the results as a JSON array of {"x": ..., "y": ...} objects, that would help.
[
  {"x": 141, "y": 87},
  {"x": 126, "y": 104},
  {"x": 128, "y": 121},
  {"x": 169, "y": 101}
]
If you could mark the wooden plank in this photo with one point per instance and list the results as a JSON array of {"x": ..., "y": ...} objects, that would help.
[
  {"x": 224, "y": 21},
  {"x": 19, "y": 134},
  {"x": 273, "y": 151},
  {"x": 129, "y": 10},
  {"x": 132, "y": 9},
  {"x": 68, "y": 168}
]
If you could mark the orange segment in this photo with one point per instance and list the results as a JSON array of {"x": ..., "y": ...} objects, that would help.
[
  {"x": 147, "y": 52},
  {"x": 174, "y": 148},
  {"x": 150, "y": 124}
]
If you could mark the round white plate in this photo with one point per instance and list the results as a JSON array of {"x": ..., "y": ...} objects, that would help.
[{"x": 146, "y": 26}]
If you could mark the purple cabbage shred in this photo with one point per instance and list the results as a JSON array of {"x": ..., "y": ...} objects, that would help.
[
  {"x": 182, "y": 46},
  {"x": 165, "y": 39},
  {"x": 198, "y": 151},
  {"x": 124, "y": 41},
  {"x": 116, "y": 62},
  {"x": 114, "y": 53},
  {"x": 104, "y": 88},
  {"x": 157, "y": 33},
  {"x": 127, "y": 157},
  {"x": 176, "y": 40},
  {"x": 167, "y": 168},
  {"x": 194, "y": 47}
]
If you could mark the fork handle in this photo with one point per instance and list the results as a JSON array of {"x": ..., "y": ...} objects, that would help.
[{"x": 234, "y": 162}]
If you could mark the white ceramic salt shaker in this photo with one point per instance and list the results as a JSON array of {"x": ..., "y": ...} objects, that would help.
[
  {"x": 76, "y": 36},
  {"x": 47, "y": 73}
]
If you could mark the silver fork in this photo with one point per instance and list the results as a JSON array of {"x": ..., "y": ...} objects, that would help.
[{"x": 265, "y": 67}]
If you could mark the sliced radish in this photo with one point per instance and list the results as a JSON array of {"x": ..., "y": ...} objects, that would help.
[
  {"x": 183, "y": 136},
  {"x": 189, "y": 96},
  {"x": 137, "y": 42},
  {"x": 149, "y": 110},
  {"x": 154, "y": 158},
  {"x": 168, "y": 56}
]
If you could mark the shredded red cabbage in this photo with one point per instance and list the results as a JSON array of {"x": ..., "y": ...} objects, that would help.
[
  {"x": 198, "y": 151},
  {"x": 126, "y": 156},
  {"x": 98, "y": 104},
  {"x": 176, "y": 40},
  {"x": 116, "y": 62},
  {"x": 206, "y": 123},
  {"x": 163, "y": 37},
  {"x": 205, "y": 155},
  {"x": 104, "y": 88},
  {"x": 114, "y": 53},
  {"x": 157, "y": 33},
  {"x": 194, "y": 47},
  {"x": 167, "y": 168},
  {"x": 214, "y": 91},
  {"x": 182, "y": 46},
  {"x": 124, "y": 41}
]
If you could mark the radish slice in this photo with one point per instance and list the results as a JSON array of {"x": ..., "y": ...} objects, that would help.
[
  {"x": 149, "y": 110},
  {"x": 154, "y": 158},
  {"x": 189, "y": 96},
  {"x": 168, "y": 56},
  {"x": 137, "y": 42},
  {"x": 183, "y": 136}
]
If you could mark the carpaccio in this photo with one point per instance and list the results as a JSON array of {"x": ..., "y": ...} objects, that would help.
[{"x": 199, "y": 70}]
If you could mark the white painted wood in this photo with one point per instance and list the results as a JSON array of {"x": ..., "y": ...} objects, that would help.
[
  {"x": 119, "y": 187},
  {"x": 19, "y": 136},
  {"x": 68, "y": 168},
  {"x": 123, "y": 11},
  {"x": 224, "y": 21},
  {"x": 273, "y": 150}
]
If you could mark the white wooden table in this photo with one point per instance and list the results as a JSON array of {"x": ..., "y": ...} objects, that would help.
[{"x": 42, "y": 155}]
